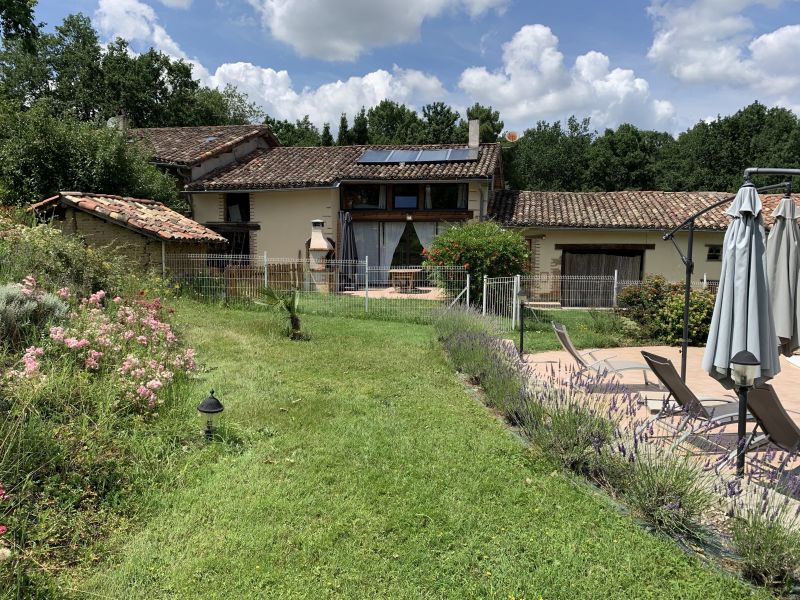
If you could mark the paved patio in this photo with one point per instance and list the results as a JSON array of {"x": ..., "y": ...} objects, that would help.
[{"x": 786, "y": 383}]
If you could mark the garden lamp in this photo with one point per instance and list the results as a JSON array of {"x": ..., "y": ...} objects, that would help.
[
  {"x": 210, "y": 408},
  {"x": 522, "y": 298},
  {"x": 744, "y": 368}
]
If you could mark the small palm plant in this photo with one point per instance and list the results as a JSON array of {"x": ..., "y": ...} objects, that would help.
[{"x": 288, "y": 301}]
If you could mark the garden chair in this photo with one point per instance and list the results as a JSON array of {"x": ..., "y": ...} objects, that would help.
[
  {"x": 710, "y": 412},
  {"x": 598, "y": 365}
]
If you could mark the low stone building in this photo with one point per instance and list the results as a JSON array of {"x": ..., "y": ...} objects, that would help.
[
  {"x": 598, "y": 233},
  {"x": 145, "y": 231}
]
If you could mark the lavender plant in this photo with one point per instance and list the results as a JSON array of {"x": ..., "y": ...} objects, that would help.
[{"x": 765, "y": 524}]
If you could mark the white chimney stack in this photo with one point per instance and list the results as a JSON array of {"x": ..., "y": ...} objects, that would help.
[
  {"x": 474, "y": 133},
  {"x": 319, "y": 246}
]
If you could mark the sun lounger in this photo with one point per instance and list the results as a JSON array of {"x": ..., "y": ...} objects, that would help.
[{"x": 598, "y": 365}]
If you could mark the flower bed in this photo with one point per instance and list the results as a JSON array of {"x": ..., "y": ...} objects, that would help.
[{"x": 79, "y": 404}]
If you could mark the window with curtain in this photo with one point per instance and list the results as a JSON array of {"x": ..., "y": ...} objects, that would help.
[
  {"x": 363, "y": 197},
  {"x": 446, "y": 196},
  {"x": 404, "y": 196}
]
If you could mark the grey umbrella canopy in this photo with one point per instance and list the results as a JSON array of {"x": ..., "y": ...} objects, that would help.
[
  {"x": 347, "y": 249},
  {"x": 783, "y": 275},
  {"x": 742, "y": 317}
]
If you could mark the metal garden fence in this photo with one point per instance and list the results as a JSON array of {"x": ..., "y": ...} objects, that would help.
[
  {"x": 546, "y": 295},
  {"x": 334, "y": 287}
]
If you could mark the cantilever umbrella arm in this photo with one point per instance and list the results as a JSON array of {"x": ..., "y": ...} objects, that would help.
[{"x": 688, "y": 259}]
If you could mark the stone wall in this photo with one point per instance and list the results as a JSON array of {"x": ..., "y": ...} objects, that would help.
[{"x": 142, "y": 250}]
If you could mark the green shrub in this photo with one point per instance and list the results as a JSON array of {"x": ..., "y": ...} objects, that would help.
[
  {"x": 669, "y": 490},
  {"x": 59, "y": 261},
  {"x": 484, "y": 249},
  {"x": 669, "y": 319},
  {"x": 25, "y": 310},
  {"x": 769, "y": 552},
  {"x": 656, "y": 308},
  {"x": 458, "y": 320}
]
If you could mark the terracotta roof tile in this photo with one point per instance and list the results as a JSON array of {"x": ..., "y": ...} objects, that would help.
[
  {"x": 145, "y": 216},
  {"x": 298, "y": 167},
  {"x": 614, "y": 210},
  {"x": 191, "y": 145}
]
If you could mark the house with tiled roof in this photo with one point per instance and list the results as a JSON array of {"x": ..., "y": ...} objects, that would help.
[
  {"x": 399, "y": 197},
  {"x": 598, "y": 233},
  {"x": 190, "y": 153},
  {"x": 144, "y": 230}
]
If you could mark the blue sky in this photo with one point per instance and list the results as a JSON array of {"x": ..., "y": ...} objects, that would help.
[{"x": 664, "y": 64}]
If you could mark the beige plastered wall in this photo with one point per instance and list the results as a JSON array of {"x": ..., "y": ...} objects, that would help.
[
  {"x": 285, "y": 216},
  {"x": 662, "y": 260}
]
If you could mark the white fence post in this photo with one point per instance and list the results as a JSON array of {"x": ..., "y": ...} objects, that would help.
[
  {"x": 483, "y": 311},
  {"x": 514, "y": 292},
  {"x": 614, "y": 293},
  {"x": 705, "y": 280},
  {"x": 266, "y": 270},
  {"x": 366, "y": 284},
  {"x": 467, "y": 290}
]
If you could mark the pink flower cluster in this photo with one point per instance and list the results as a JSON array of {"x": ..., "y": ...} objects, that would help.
[
  {"x": 125, "y": 340},
  {"x": 30, "y": 364}
]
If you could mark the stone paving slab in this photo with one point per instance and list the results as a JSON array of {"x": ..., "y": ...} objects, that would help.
[{"x": 786, "y": 383}]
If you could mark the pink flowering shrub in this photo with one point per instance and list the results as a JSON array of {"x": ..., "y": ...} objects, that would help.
[{"x": 128, "y": 341}]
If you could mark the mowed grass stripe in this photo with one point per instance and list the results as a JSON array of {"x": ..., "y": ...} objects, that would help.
[{"x": 369, "y": 471}]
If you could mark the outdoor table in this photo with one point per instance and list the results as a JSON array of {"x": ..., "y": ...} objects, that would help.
[{"x": 403, "y": 279}]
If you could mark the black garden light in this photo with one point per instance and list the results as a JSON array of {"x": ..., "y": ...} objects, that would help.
[
  {"x": 744, "y": 368},
  {"x": 210, "y": 408},
  {"x": 521, "y": 299}
]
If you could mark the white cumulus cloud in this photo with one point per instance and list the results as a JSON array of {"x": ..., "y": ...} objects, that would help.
[
  {"x": 344, "y": 29},
  {"x": 535, "y": 83},
  {"x": 176, "y": 3},
  {"x": 712, "y": 41},
  {"x": 274, "y": 91}
]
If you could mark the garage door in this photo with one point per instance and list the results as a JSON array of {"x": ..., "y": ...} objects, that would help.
[{"x": 580, "y": 264}]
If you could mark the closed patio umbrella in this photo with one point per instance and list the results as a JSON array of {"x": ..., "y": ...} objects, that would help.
[
  {"x": 347, "y": 250},
  {"x": 742, "y": 317},
  {"x": 783, "y": 275},
  {"x": 742, "y": 320}
]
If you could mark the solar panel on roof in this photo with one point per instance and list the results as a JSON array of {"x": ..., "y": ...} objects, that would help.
[
  {"x": 410, "y": 156},
  {"x": 399, "y": 156},
  {"x": 374, "y": 156},
  {"x": 463, "y": 154},
  {"x": 433, "y": 155}
]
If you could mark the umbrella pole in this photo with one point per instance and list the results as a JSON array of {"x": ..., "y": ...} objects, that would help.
[
  {"x": 741, "y": 391},
  {"x": 687, "y": 291}
]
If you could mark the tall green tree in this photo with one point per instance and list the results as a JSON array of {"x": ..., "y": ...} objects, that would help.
[
  {"x": 326, "y": 138},
  {"x": 360, "y": 132},
  {"x": 75, "y": 64},
  {"x": 626, "y": 158},
  {"x": 551, "y": 156},
  {"x": 393, "y": 123},
  {"x": 490, "y": 128},
  {"x": 17, "y": 21},
  {"x": 300, "y": 133},
  {"x": 41, "y": 154},
  {"x": 343, "y": 136},
  {"x": 440, "y": 124}
]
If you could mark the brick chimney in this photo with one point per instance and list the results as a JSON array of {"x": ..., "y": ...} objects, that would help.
[{"x": 474, "y": 133}]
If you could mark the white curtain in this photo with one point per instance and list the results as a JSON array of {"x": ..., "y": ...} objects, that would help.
[
  {"x": 392, "y": 232},
  {"x": 426, "y": 232},
  {"x": 367, "y": 241}
]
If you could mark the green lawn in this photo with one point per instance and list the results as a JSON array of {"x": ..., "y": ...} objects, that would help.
[{"x": 367, "y": 471}]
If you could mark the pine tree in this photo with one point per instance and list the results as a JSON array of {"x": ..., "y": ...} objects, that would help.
[
  {"x": 326, "y": 139},
  {"x": 343, "y": 139},
  {"x": 360, "y": 132}
]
